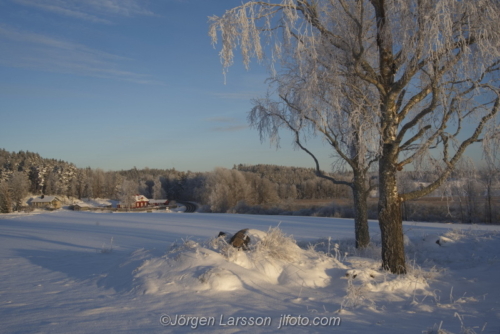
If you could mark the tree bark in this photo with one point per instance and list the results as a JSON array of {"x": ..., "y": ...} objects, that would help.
[
  {"x": 390, "y": 218},
  {"x": 389, "y": 205},
  {"x": 488, "y": 203},
  {"x": 360, "y": 194}
]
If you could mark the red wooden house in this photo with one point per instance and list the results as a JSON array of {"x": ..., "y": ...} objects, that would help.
[{"x": 139, "y": 201}]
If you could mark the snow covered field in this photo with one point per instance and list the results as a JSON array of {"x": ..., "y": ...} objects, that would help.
[{"x": 84, "y": 272}]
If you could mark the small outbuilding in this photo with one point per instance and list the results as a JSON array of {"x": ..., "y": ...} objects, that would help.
[
  {"x": 158, "y": 202},
  {"x": 78, "y": 207}
]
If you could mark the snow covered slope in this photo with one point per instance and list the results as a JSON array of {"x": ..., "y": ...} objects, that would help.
[{"x": 83, "y": 272}]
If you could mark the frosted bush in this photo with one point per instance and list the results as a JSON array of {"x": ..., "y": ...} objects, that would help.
[
  {"x": 278, "y": 245},
  {"x": 436, "y": 330}
]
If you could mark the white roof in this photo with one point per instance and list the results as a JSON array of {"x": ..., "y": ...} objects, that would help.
[
  {"x": 158, "y": 200},
  {"x": 45, "y": 199},
  {"x": 140, "y": 198}
]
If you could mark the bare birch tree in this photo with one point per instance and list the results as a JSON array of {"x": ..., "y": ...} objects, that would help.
[
  {"x": 158, "y": 191},
  {"x": 19, "y": 186},
  {"x": 127, "y": 193},
  {"x": 432, "y": 67},
  {"x": 348, "y": 127},
  {"x": 489, "y": 175}
]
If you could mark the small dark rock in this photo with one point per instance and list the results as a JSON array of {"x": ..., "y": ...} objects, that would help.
[{"x": 240, "y": 240}]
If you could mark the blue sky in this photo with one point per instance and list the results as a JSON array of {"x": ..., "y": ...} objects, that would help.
[{"x": 114, "y": 84}]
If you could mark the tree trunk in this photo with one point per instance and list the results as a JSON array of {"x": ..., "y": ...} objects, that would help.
[
  {"x": 489, "y": 211},
  {"x": 360, "y": 195},
  {"x": 389, "y": 214}
]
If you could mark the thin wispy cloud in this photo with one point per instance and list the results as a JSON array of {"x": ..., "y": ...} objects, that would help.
[
  {"x": 231, "y": 124},
  {"x": 233, "y": 128},
  {"x": 97, "y": 11},
  {"x": 222, "y": 119},
  {"x": 118, "y": 7},
  {"x": 47, "y": 53},
  {"x": 51, "y": 42},
  {"x": 61, "y": 10}
]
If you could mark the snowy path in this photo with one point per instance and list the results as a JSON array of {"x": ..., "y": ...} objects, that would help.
[{"x": 82, "y": 272}]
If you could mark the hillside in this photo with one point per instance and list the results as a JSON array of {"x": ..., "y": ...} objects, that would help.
[{"x": 42, "y": 173}]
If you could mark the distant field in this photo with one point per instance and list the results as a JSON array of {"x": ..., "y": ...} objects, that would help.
[
  {"x": 453, "y": 209},
  {"x": 428, "y": 200}
]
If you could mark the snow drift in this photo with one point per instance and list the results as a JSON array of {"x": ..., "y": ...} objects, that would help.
[{"x": 272, "y": 258}]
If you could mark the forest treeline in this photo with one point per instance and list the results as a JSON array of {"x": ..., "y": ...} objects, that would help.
[
  {"x": 265, "y": 189},
  {"x": 220, "y": 189}
]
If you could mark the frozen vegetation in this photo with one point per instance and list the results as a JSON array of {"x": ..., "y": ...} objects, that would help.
[{"x": 83, "y": 272}]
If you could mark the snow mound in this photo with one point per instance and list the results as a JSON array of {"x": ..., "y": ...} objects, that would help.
[
  {"x": 221, "y": 279},
  {"x": 432, "y": 257},
  {"x": 456, "y": 249},
  {"x": 368, "y": 275},
  {"x": 434, "y": 240},
  {"x": 273, "y": 258}
]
